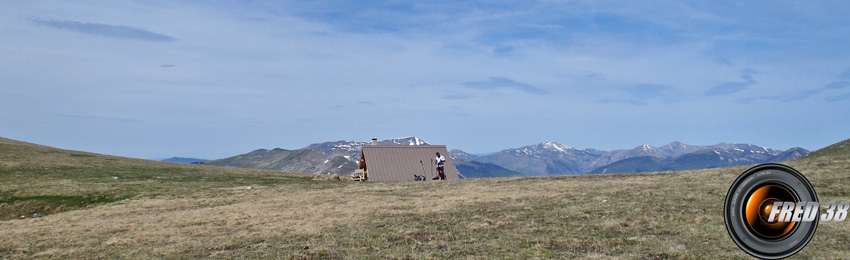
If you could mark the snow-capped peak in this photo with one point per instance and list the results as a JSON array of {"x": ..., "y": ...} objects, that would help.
[
  {"x": 352, "y": 148},
  {"x": 553, "y": 146}
]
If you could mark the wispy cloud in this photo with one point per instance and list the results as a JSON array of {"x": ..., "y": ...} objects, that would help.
[
  {"x": 789, "y": 97},
  {"x": 504, "y": 83},
  {"x": 837, "y": 85},
  {"x": 724, "y": 61},
  {"x": 804, "y": 94},
  {"x": 750, "y": 71},
  {"x": 643, "y": 94},
  {"x": 845, "y": 74},
  {"x": 114, "y": 31},
  {"x": 647, "y": 91},
  {"x": 837, "y": 98},
  {"x": 731, "y": 87},
  {"x": 457, "y": 96},
  {"x": 102, "y": 118}
]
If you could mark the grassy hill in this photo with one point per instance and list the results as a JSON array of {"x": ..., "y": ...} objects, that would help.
[
  {"x": 164, "y": 210},
  {"x": 40, "y": 180},
  {"x": 838, "y": 150}
]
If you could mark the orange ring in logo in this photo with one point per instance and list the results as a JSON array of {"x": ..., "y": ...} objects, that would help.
[{"x": 759, "y": 206}]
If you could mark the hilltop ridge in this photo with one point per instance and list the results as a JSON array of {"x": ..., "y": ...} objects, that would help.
[{"x": 87, "y": 205}]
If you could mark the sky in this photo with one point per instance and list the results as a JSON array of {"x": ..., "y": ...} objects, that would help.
[{"x": 212, "y": 79}]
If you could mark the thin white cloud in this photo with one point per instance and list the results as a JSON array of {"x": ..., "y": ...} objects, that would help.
[
  {"x": 845, "y": 74},
  {"x": 837, "y": 98},
  {"x": 494, "y": 83},
  {"x": 731, "y": 87},
  {"x": 837, "y": 85},
  {"x": 115, "y": 31},
  {"x": 103, "y": 118}
]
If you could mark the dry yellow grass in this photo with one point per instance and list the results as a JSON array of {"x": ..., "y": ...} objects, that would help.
[{"x": 631, "y": 216}]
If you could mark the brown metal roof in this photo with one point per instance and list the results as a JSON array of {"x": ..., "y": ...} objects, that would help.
[{"x": 400, "y": 162}]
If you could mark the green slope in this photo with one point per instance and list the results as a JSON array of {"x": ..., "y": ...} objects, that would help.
[
  {"x": 837, "y": 150},
  {"x": 261, "y": 159},
  {"x": 39, "y": 180}
]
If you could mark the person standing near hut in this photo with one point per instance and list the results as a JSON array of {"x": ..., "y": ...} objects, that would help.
[{"x": 441, "y": 174}]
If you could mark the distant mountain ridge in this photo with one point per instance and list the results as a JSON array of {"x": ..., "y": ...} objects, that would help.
[
  {"x": 341, "y": 157},
  {"x": 353, "y": 147},
  {"x": 183, "y": 160},
  {"x": 547, "y": 158},
  {"x": 468, "y": 167},
  {"x": 301, "y": 160},
  {"x": 551, "y": 158},
  {"x": 336, "y": 157},
  {"x": 670, "y": 150},
  {"x": 543, "y": 159},
  {"x": 476, "y": 169},
  {"x": 702, "y": 159}
]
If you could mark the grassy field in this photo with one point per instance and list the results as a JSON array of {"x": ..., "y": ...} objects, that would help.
[{"x": 65, "y": 204}]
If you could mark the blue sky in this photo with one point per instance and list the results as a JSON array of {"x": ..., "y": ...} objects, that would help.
[{"x": 212, "y": 79}]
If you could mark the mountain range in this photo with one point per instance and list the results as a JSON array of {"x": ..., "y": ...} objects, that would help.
[
  {"x": 301, "y": 160},
  {"x": 468, "y": 167},
  {"x": 549, "y": 158},
  {"x": 353, "y": 147},
  {"x": 341, "y": 157},
  {"x": 543, "y": 159},
  {"x": 183, "y": 160}
]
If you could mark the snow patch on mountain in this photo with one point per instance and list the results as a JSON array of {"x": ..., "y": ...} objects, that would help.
[{"x": 352, "y": 148}]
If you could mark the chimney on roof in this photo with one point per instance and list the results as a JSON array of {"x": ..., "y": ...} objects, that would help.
[{"x": 374, "y": 141}]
